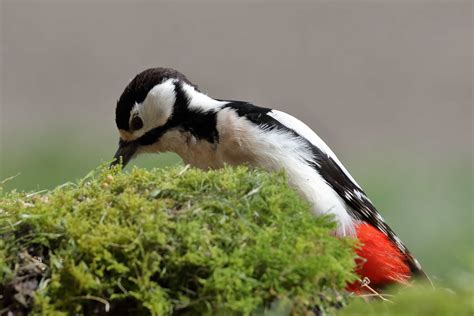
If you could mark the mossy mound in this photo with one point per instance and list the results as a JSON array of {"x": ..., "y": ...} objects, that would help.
[{"x": 173, "y": 241}]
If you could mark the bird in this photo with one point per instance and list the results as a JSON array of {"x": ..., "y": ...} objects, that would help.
[{"x": 160, "y": 110}]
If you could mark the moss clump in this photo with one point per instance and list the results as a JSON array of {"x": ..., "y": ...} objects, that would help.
[{"x": 173, "y": 241}]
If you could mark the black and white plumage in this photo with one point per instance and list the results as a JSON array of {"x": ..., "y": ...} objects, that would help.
[{"x": 161, "y": 110}]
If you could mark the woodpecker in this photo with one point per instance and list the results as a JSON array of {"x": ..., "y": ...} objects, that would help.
[{"x": 160, "y": 110}]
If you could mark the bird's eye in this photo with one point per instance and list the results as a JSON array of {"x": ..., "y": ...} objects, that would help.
[{"x": 136, "y": 123}]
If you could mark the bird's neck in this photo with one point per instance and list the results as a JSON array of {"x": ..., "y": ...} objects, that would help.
[{"x": 200, "y": 101}]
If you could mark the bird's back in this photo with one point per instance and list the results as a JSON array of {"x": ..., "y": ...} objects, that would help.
[{"x": 281, "y": 141}]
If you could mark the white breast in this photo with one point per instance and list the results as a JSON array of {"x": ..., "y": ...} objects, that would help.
[{"x": 197, "y": 153}]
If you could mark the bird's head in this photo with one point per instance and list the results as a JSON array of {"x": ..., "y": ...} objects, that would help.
[{"x": 146, "y": 108}]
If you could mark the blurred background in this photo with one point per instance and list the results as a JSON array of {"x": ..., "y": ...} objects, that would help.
[{"x": 388, "y": 85}]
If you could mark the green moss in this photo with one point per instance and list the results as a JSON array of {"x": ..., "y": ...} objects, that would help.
[
  {"x": 416, "y": 301},
  {"x": 172, "y": 241}
]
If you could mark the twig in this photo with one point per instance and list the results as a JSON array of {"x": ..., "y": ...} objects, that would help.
[
  {"x": 184, "y": 169},
  {"x": 9, "y": 178},
  {"x": 94, "y": 298},
  {"x": 35, "y": 193},
  {"x": 377, "y": 295},
  {"x": 124, "y": 290},
  {"x": 253, "y": 191},
  {"x": 365, "y": 283}
]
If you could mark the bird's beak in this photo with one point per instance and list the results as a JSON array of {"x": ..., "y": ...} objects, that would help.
[{"x": 124, "y": 153}]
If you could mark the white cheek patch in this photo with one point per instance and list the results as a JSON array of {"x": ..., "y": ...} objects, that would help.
[{"x": 157, "y": 107}]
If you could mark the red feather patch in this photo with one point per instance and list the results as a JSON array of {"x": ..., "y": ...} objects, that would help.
[{"x": 381, "y": 261}]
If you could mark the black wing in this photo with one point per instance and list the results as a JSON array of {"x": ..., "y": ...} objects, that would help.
[{"x": 360, "y": 207}]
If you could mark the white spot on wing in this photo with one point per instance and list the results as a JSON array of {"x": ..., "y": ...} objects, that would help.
[
  {"x": 359, "y": 194},
  {"x": 417, "y": 264},
  {"x": 348, "y": 195},
  {"x": 397, "y": 240}
]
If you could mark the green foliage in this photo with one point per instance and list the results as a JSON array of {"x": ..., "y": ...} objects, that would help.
[
  {"x": 172, "y": 241},
  {"x": 416, "y": 301}
]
